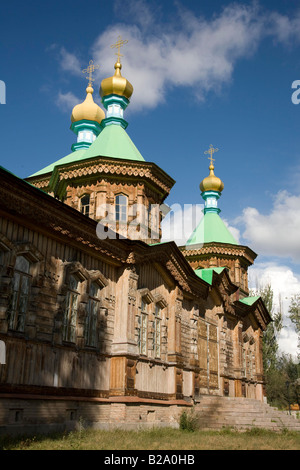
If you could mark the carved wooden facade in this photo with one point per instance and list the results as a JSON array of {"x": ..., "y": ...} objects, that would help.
[{"x": 92, "y": 325}]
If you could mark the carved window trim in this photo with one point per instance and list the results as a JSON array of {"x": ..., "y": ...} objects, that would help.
[
  {"x": 92, "y": 323},
  {"x": 19, "y": 298},
  {"x": 99, "y": 278},
  {"x": 20, "y": 295},
  {"x": 143, "y": 329},
  {"x": 85, "y": 209},
  {"x": 6, "y": 251},
  {"x": 157, "y": 330},
  {"x": 146, "y": 295},
  {"x": 72, "y": 299},
  {"x": 92, "y": 314}
]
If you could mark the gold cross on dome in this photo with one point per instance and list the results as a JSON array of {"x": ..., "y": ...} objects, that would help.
[
  {"x": 89, "y": 70},
  {"x": 211, "y": 151},
  {"x": 120, "y": 42}
]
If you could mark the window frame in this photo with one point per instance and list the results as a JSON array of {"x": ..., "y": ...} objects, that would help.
[
  {"x": 91, "y": 319},
  {"x": 17, "y": 318},
  {"x": 118, "y": 209},
  {"x": 84, "y": 206},
  {"x": 157, "y": 331},
  {"x": 71, "y": 310},
  {"x": 143, "y": 329}
]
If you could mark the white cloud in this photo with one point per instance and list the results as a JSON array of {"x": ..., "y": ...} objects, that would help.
[
  {"x": 197, "y": 53},
  {"x": 69, "y": 62},
  {"x": 285, "y": 283},
  {"x": 233, "y": 230},
  {"x": 184, "y": 51},
  {"x": 276, "y": 233},
  {"x": 67, "y": 101},
  {"x": 283, "y": 28}
]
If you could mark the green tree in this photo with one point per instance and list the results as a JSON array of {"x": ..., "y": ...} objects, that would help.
[
  {"x": 290, "y": 374},
  {"x": 283, "y": 386},
  {"x": 271, "y": 335},
  {"x": 275, "y": 384},
  {"x": 294, "y": 314}
]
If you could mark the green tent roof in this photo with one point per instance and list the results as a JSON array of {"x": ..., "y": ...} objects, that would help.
[
  {"x": 72, "y": 157},
  {"x": 207, "y": 274},
  {"x": 113, "y": 142},
  {"x": 211, "y": 229},
  {"x": 249, "y": 300}
]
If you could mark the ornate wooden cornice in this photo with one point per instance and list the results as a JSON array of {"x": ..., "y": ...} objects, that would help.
[
  {"x": 93, "y": 168},
  {"x": 225, "y": 287},
  {"x": 40, "y": 211},
  {"x": 257, "y": 309},
  {"x": 168, "y": 256},
  {"x": 223, "y": 249}
]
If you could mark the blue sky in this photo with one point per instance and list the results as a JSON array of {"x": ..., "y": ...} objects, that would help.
[{"x": 204, "y": 72}]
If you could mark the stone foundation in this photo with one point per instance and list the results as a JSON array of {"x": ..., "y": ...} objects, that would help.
[{"x": 28, "y": 415}]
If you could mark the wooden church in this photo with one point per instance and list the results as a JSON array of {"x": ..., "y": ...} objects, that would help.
[{"x": 99, "y": 320}]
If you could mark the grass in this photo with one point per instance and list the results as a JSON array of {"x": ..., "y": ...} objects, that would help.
[{"x": 157, "y": 439}]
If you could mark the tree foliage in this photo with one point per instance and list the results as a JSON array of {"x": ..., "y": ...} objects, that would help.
[
  {"x": 271, "y": 335},
  {"x": 283, "y": 386},
  {"x": 294, "y": 314},
  {"x": 282, "y": 373}
]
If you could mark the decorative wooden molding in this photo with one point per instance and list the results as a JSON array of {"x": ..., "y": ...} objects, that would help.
[
  {"x": 28, "y": 250},
  {"x": 97, "y": 276},
  {"x": 223, "y": 249},
  {"x": 160, "y": 300},
  {"x": 146, "y": 295},
  {"x": 96, "y": 167}
]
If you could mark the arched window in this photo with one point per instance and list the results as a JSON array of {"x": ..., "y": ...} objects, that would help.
[
  {"x": 143, "y": 329},
  {"x": 157, "y": 331},
  {"x": 90, "y": 332},
  {"x": 70, "y": 314},
  {"x": 20, "y": 294},
  {"x": 85, "y": 204},
  {"x": 121, "y": 208}
]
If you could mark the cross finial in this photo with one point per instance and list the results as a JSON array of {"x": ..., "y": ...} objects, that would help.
[
  {"x": 89, "y": 70},
  {"x": 120, "y": 42},
  {"x": 211, "y": 151}
]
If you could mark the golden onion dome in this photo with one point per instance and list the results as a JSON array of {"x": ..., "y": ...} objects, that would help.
[
  {"x": 88, "y": 110},
  {"x": 211, "y": 182},
  {"x": 116, "y": 85}
]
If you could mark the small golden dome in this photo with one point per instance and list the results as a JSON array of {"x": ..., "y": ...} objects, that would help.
[
  {"x": 116, "y": 85},
  {"x": 211, "y": 182},
  {"x": 88, "y": 110}
]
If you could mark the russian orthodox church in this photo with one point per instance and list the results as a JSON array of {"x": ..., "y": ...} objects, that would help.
[{"x": 99, "y": 319}]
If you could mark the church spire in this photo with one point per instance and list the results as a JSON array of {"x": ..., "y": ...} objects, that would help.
[
  {"x": 116, "y": 91},
  {"x": 211, "y": 187},
  {"x": 211, "y": 227},
  {"x": 86, "y": 117}
]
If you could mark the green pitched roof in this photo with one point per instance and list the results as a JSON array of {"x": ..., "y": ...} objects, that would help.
[
  {"x": 114, "y": 142},
  {"x": 249, "y": 300},
  {"x": 72, "y": 157},
  {"x": 211, "y": 229},
  {"x": 207, "y": 274}
]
